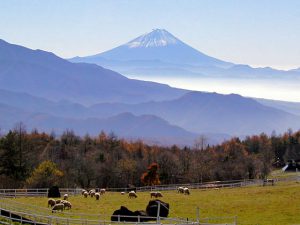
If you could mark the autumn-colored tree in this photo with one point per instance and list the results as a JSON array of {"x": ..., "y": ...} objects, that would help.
[
  {"x": 45, "y": 175},
  {"x": 151, "y": 177},
  {"x": 108, "y": 161}
]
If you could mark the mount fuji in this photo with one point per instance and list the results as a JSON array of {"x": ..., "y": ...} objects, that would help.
[
  {"x": 159, "y": 45},
  {"x": 159, "y": 53},
  {"x": 159, "y": 49}
]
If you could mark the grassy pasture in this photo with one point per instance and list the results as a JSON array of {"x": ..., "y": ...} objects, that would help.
[{"x": 279, "y": 204}]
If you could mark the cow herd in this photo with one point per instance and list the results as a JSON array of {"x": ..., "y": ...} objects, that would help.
[
  {"x": 59, "y": 204},
  {"x": 183, "y": 190},
  {"x": 62, "y": 204},
  {"x": 93, "y": 193}
]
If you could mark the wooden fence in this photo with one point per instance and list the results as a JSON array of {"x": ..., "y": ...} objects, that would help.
[
  {"x": 76, "y": 191},
  {"x": 31, "y": 214},
  {"x": 40, "y": 218},
  {"x": 36, "y": 219}
]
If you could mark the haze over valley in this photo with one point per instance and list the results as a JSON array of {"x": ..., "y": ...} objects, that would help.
[
  {"x": 161, "y": 57},
  {"x": 52, "y": 94},
  {"x": 167, "y": 85}
]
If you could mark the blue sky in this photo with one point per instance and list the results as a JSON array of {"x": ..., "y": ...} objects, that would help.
[{"x": 255, "y": 32}]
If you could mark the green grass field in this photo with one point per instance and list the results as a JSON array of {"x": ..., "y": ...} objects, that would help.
[
  {"x": 279, "y": 204},
  {"x": 280, "y": 174}
]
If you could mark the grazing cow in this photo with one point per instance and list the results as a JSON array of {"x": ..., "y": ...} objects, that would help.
[
  {"x": 159, "y": 195},
  {"x": 132, "y": 194},
  {"x": 92, "y": 193},
  {"x": 85, "y": 194},
  {"x": 67, "y": 204},
  {"x": 155, "y": 194},
  {"x": 186, "y": 191},
  {"x": 97, "y": 195},
  {"x": 180, "y": 190},
  {"x": 58, "y": 207},
  {"x": 51, "y": 202}
]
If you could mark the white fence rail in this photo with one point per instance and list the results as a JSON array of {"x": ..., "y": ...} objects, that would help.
[
  {"x": 37, "y": 219},
  {"x": 75, "y": 191},
  {"x": 206, "y": 185},
  {"x": 31, "y": 214}
]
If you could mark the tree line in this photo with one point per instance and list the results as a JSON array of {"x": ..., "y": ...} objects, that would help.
[{"x": 37, "y": 159}]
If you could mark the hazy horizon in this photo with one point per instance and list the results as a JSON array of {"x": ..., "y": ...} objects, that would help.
[{"x": 282, "y": 90}]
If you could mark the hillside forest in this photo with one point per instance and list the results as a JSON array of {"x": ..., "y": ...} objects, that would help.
[{"x": 39, "y": 160}]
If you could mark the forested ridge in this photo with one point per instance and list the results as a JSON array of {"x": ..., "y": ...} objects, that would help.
[{"x": 37, "y": 159}]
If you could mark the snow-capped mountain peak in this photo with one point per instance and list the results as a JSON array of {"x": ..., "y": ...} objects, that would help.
[
  {"x": 156, "y": 38},
  {"x": 157, "y": 45}
]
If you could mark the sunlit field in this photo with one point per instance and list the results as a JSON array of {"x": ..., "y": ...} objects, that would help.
[{"x": 279, "y": 204}]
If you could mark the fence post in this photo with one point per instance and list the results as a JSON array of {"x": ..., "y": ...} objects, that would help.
[
  {"x": 198, "y": 214},
  {"x": 158, "y": 214},
  {"x": 235, "y": 220},
  {"x": 50, "y": 220}
]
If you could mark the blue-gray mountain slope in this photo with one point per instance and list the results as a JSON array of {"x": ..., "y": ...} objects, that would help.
[
  {"x": 125, "y": 125},
  {"x": 25, "y": 74},
  {"x": 43, "y": 74}
]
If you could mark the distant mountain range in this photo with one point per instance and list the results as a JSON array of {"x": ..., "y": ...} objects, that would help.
[
  {"x": 50, "y": 93},
  {"x": 126, "y": 125},
  {"x": 159, "y": 53},
  {"x": 291, "y": 107},
  {"x": 43, "y": 74},
  {"x": 217, "y": 116}
]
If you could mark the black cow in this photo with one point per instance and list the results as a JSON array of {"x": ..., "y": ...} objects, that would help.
[
  {"x": 125, "y": 215},
  {"x": 152, "y": 208}
]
